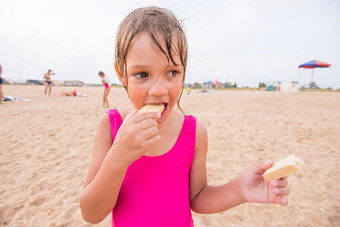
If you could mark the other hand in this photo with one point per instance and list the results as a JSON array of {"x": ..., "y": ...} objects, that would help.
[{"x": 255, "y": 189}]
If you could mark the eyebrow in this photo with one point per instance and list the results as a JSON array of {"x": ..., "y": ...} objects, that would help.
[
  {"x": 147, "y": 66},
  {"x": 137, "y": 66}
]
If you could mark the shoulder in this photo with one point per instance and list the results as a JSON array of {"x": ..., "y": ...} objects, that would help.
[
  {"x": 104, "y": 122},
  {"x": 113, "y": 116},
  {"x": 201, "y": 137},
  {"x": 103, "y": 131},
  {"x": 108, "y": 125},
  {"x": 201, "y": 130}
]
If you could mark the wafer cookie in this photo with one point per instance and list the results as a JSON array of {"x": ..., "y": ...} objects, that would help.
[
  {"x": 283, "y": 167},
  {"x": 152, "y": 108}
]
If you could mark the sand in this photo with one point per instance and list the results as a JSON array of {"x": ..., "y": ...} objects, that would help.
[{"x": 46, "y": 147}]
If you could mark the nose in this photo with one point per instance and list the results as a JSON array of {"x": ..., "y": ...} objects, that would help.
[{"x": 158, "y": 88}]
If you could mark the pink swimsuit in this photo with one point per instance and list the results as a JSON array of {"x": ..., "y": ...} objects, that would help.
[{"x": 155, "y": 190}]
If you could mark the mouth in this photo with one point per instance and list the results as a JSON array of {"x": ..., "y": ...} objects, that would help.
[{"x": 165, "y": 109}]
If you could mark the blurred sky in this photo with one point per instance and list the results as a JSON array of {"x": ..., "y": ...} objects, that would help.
[{"x": 242, "y": 41}]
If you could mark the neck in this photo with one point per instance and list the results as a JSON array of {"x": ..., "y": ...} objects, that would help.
[{"x": 170, "y": 121}]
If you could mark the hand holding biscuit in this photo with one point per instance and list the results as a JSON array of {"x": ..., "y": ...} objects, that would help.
[
  {"x": 255, "y": 189},
  {"x": 137, "y": 134}
]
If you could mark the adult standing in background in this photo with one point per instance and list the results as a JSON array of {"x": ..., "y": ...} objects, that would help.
[{"x": 48, "y": 81}]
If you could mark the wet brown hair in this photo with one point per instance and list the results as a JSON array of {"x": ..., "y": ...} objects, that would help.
[
  {"x": 154, "y": 21},
  {"x": 101, "y": 73}
]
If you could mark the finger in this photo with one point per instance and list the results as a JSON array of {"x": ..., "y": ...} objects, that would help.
[
  {"x": 150, "y": 143},
  {"x": 279, "y": 183},
  {"x": 280, "y": 191},
  {"x": 142, "y": 116},
  {"x": 150, "y": 132},
  {"x": 261, "y": 167},
  {"x": 281, "y": 200},
  {"x": 147, "y": 123}
]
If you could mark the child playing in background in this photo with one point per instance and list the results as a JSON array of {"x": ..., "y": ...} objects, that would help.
[
  {"x": 106, "y": 84},
  {"x": 149, "y": 169}
]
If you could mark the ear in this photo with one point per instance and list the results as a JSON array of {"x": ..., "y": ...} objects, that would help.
[{"x": 119, "y": 75}]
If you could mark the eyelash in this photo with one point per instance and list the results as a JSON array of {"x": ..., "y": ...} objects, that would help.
[
  {"x": 172, "y": 72},
  {"x": 141, "y": 74},
  {"x": 135, "y": 75}
]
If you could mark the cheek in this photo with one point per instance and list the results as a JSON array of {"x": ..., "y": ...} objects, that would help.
[
  {"x": 176, "y": 91},
  {"x": 136, "y": 97}
]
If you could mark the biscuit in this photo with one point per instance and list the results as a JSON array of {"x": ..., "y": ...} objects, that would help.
[{"x": 283, "y": 167}]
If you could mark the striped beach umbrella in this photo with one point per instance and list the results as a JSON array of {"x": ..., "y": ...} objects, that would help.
[{"x": 314, "y": 64}]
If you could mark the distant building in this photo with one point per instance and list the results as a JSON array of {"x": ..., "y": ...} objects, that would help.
[
  {"x": 284, "y": 86},
  {"x": 208, "y": 84},
  {"x": 57, "y": 83},
  {"x": 73, "y": 83},
  {"x": 289, "y": 86},
  {"x": 34, "y": 82}
]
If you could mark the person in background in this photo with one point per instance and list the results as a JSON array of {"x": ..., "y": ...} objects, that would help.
[
  {"x": 69, "y": 93},
  {"x": 48, "y": 81},
  {"x": 106, "y": 82}
]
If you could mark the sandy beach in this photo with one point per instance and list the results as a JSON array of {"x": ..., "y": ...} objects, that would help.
[{"x": 46, "y": 146}]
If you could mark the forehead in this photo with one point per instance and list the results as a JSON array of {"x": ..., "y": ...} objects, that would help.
[{"x": 143, "y": 49}]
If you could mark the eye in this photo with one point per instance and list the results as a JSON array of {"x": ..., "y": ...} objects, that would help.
[
  {"x": 173, "y": 73},
  {"x": 141, "y": 75}
]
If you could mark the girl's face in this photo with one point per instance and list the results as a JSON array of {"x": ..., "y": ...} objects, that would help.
[{"x": 152, "y": 78}]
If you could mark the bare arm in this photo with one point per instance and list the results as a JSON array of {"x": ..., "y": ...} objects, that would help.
[
  {"x": 205, "y": 198},
  {"x": 249, "y": 187},
  {"x": 104, "y": 177},
  {"x": 110, "y": 161}
]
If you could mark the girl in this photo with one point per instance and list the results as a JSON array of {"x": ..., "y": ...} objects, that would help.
[
  {"x": 106, "y": 84},
  {"x": 149, "y": 169}
]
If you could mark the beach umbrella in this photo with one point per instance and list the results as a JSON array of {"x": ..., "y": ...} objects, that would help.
[{"x": 314, "y": 64}]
